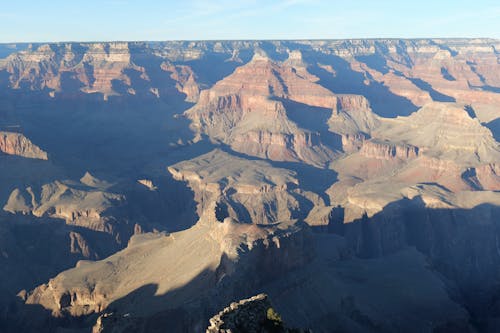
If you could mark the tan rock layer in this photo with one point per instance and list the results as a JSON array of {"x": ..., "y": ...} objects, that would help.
[{"x": 17, "y": 144}]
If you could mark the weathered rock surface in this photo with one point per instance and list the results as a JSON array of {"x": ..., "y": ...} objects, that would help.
[
  {"x": 17, "y": 144},
  {"x": 387, "y": 149},
  {"x": 247, "y": 191},
  {"x": 252, "y": 315},
  {"x": 247, "y": 111},
  {"x": 446, "y": 131},
  {"x": 68, "y": 201},
  {"x": 209, "y": 257}
]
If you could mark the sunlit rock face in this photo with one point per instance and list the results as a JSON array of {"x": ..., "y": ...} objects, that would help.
[
  {"x": 18, "y": 144},
  {"x": 356, "y": 182}
]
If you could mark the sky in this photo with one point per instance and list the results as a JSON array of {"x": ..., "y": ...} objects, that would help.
[{"x": 129, "y": 20}]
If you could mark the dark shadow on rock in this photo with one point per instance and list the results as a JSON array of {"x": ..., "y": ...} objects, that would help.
[
  {"x": 272, "y": 51},
  {"x": 446, "y": 75},
  {"x": 470, "y": 111},
  {"x": 41, "y": 247},
  {"x": 37, "y": 249},
  {"x": 485, "y": 86},
  {"x": 169, "y": 207},
  {"x": 443, "y": 47},
  {"x": 459, "y": 244},
  {"x": 347, "y": 81},
  {"x": 70, "y": 84},
  {"x": 375, "y": 61},
  {"x": 188, "y": 307},
  {"x": 313, "y": 119},
  {"x": 211, "y": 68},
  {"x": 494, "y": 127},
  {"x": 8, "y": 49},
  {"x": 435, "y": 95},
  {"x": 310, "y": 178},
  {"x": 116, "y": 138}
]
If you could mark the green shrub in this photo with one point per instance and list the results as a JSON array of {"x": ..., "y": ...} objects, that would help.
[{"x": 274, "y": 317}]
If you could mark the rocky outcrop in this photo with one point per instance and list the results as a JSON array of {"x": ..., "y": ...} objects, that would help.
[
  {"x": 67, "y": 201},
  {"x": 71, "y": 68},
  {"x": 489, "y": 176},
  {"x": 77, "y": 70},
  {"x": 445, "y": 131},
  {"x": 352, "y": 142},
  {"x": 246, "y": 110},
  {"x": 185, "y": 80},
  {"x": 352, "y": 115},
  {"x": 216, "y": 255},
  {"x": 252, "y": 315},
  {"x": 17, "y": 144},
  {"x": 79, "y": 245},
  {"x": 148, "y": 183},
  {"x": 247, "y": 191},
  {"x": 387, "y": 150}
]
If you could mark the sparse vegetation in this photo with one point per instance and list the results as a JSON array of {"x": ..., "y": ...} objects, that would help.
[{"x": 273, "y": 316}]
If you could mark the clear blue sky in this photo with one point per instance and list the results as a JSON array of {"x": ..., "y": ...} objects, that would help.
[{"x": 78, "y": 20}]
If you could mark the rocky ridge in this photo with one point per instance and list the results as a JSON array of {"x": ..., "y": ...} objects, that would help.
[{"x": 17, "y": 144}]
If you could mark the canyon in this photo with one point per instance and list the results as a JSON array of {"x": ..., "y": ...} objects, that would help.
[{"x": 146, "y": 186}]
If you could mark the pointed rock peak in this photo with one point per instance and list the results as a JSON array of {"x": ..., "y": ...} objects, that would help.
[
  {"x": 260, "y": 55},
  {"x": 89, "y": 180}
]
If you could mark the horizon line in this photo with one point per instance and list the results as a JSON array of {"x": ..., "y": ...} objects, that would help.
[{"x": 243, "y": 40}]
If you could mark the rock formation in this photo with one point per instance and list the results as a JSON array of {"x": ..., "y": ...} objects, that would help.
[
  {"x": 65, "y": 201},
  {"x": 17, "y": 144},
  {"x": 247, "y": 111},
  {"x": 253, "y": 315},
  {"x": 330, "y": 175},
  {"x": 247, "y": 191}
]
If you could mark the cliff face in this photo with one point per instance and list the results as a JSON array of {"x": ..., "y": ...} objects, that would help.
[
  {"x": 387, "y": 150},
  {"x": 67, "y": 202},
  {"x": 447, "y": 131},
  {"x": 214, "y": 257},
  {"x": 247, "y": 111},
  {"x": 18, "y": 144},
  {"x": 73, "y": 70},
  {"x": 250, "y": 192}
]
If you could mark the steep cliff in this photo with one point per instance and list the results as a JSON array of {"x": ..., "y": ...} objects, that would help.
[
  {"x": 17, "y": 144},
  {"x": 247, "y": 191},
  {"x": 247, "y": 110}
]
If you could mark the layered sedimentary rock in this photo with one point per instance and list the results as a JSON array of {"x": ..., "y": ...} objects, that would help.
[
  {"x": 68, "y": 201},
  {"x": 186, "y": 80},
  {"x": 247, "y": 191},
  {"x": 17, "y": 144},
  {"x": 247, "y": 111},
  {"x": 386, "y": 148},
  {"x": 352, "y": 115},
  {"x": 90, "y": 67},
  {"x": 207, "y": 257},
  {"x": 447, "y": 131},
  {"x": 73, "y": 70}
]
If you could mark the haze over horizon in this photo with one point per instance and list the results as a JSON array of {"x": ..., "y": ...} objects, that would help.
[{"x": 242, "y": 20}]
